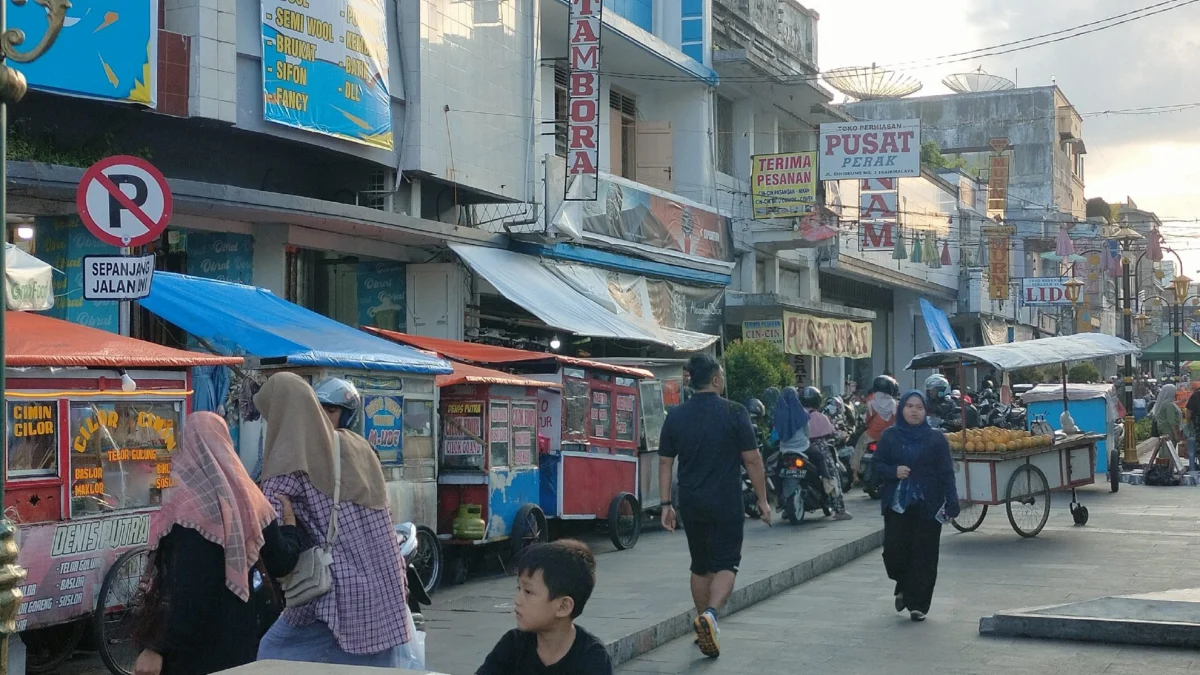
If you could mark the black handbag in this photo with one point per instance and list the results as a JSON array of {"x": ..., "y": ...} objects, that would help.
[{"x": 266, "y": 597}]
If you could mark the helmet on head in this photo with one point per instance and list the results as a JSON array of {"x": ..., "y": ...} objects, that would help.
[
  {"x": 835, "y": 406},
  {"x": 886, "y": 384},
  {"x": 756, "y": 408},
  {"x": 937, "y": 387},
  {"x": 770, "y": 397},
  {"x": 810, "y": 397},
  {"x": 338, "y": 392}
]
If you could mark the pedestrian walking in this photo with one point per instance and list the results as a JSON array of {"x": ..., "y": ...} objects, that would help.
[
  {"x": 1193, "y": 414},
  {"x": 363, "y": 618},
  {"x": 1169, "y": 418},
  {"x": 713, "y": 438},
  {"x": 918, "y": 496},
  {"x": 200, "y": 614}
]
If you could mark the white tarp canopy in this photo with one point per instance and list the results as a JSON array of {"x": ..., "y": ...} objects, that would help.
[
  {"x": 28, "y": 282},
  {"x": 1031, "y": 353},
  {"x": 1075, "y": 392},
  {"x": 569, "y": 302}
]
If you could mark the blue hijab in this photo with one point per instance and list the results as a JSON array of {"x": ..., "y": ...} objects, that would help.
[
  {"x": 913, "y": 434},
  {"x": 790, "y": 416}
]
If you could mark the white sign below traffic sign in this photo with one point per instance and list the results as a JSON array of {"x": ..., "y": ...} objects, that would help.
[
  {"x": 115, "y": 277},
  {"x": 124, "y": 201}
]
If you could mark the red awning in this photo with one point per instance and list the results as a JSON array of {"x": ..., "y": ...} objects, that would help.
[
  {"x": 477, "y": 353},
  {"x": 467, "y": 374},
  {"x": 36, "y": 340}
]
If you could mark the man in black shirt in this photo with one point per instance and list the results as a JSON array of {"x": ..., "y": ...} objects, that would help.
[{"x": 713, "y": 438}]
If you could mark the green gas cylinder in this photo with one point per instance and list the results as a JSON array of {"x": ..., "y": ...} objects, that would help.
[{"x": 468, "y": 522}]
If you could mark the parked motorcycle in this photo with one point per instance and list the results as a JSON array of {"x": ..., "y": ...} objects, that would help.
[
  {"x": 406, "y": 536},
  {"x": 870, "y": 481}
]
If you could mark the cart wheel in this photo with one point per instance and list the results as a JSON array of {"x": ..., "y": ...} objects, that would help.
[
  {"x": 624, "y": 521},
  {"x": 1114, "y": 471},
  {"x": 1080, "y": 513},
  {"x": 48, "y": 648},
  {"x": 970, "y": 517},
  {"x": 428, "y": 558},
  {"x": 528, "y": 528},
  {"x": 456, "y": 570},
  {"x": 116, "y": 610},
  {"x": 1028, "y": 498}
]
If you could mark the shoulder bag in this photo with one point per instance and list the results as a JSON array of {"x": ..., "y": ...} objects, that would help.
[{"x": 313, "y": 576}]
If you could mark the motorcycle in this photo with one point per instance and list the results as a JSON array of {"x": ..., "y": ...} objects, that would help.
[
  {"x": 850, "y": 424},
  {"x": 871, "y": 483},
  {"x": 800, "y": 487},
  {"x": 406, "y": 536}
]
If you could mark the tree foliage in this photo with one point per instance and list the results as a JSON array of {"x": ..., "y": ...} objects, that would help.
[
  {"x": 1033, "y": 375},
  {"x": 753, "y": 365},
  {"x": 1083, "y": 372},
  {"x": 931, "y": 155}
]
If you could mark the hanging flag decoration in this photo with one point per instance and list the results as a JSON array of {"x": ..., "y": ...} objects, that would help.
[
  {"x": 900, "y": 252},
  {"x": 931, "y": 252},
  {"x": 1154, "y": 247},
  {"x": 946, "y": 252},
  {"x": 916, "y": 254}
]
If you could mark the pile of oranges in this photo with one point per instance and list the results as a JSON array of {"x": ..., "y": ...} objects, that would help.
[{"x": 995, "y": 439}]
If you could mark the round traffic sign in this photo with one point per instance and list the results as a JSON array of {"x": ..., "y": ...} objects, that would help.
[{"x": 124, "y": 201}]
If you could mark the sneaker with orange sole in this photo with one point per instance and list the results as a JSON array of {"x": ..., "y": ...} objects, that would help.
[{"x": 708, "y": 634}]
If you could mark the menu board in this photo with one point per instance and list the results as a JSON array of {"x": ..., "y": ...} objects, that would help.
[
  {"x": 624, "y": 418},
  {"x": 462, "y": 429},
  {"x": 31, "y": 438},
  {"x": 499, "y": 438},
  {"x": 383, "y": 426},
  {"x": 601, "y": 415},
  {"x": 121, "y": 453},
  {"x": 524, "y": 432}
]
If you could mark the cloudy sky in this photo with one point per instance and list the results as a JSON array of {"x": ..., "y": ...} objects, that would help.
[{"x": 1149, "y": 62}]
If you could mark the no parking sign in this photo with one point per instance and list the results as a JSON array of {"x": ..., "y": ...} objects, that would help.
[{"x": 124, "y": 201}]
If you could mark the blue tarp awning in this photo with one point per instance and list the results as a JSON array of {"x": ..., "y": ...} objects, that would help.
[
  {"x": 938, "y": 324},
  {"x": 251, "y": 321}
]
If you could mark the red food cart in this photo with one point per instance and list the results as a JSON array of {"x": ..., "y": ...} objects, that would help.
[{"x": 91, "y": 421}]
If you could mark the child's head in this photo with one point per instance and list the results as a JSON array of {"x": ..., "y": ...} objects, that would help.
[{"x": 554, "y": 582}]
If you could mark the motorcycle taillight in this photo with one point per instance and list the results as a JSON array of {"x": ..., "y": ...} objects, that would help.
[
  {"x": 870, "y": 447},
  {"x": 799, "y": 463}
]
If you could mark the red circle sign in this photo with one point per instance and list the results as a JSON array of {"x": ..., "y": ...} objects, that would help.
[{"x": 124, "y": 201}]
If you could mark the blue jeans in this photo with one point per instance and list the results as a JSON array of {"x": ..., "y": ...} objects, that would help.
[{"x": 315, "y": 643}]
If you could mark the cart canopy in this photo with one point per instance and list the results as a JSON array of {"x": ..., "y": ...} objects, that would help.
[
  {"x": 1075, "y": 392},
  {"x": 1164, "y": 349},
  {"x": 34, "y": 340},
  {"x": 1016, "y": 355},
  {"x": 465, "y": 373},
  {"x": 244, "y": 319}
]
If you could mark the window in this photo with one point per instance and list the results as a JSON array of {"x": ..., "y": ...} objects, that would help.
[
  {"x": 121, "y": 454},
  {"x": 575, "y": 404},
  {"x": 462, "y": 435},
  {"x": 623, "y": 134},
  {"x": 32, "y": 439},
  {"x": 561, "y": 80},
  {"x": 724, "y": 121},
  {"x": 601, "y": 416},
  {"x": 499, "y": 436}
]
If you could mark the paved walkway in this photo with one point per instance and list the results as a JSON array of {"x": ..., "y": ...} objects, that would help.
[
  {"x": 641, "y": 599},
  {"x": 1139, "y": 540}
]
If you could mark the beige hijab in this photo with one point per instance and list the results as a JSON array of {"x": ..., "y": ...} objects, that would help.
[{"x": 300, "y": 438}]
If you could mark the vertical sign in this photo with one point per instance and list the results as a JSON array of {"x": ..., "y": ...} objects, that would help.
[
  {"x": 998, "y": 240},
  {"x": 878, "y": 205},
  {"x": 383, "y": 426},
  {"x": 583, "y": 98},
  {"x": 998, "y": 163}
]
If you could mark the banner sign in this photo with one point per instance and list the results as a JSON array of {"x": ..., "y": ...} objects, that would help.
[
  {"x": 116, "y": 277},
  {"x": 662, "y": 303},
  {"x": 870, "y": 149},
  {"x": 997, "y": 188},
  {"x": 383, "y": 426},
  {"x": 583, "y": 97},
  {"x": 101, "y": 53},
  {"x": 381, "y": 294},
  {"x": 814, "y": 336},
  {"x": 1038, "y": 291},
  {"x": 768, "y": 330},
  {"x": 325, "y": 68},
  {"x": 624, "y": 210},
  {"x": 783, "y": 185},
  {"x": 878, "y": 208},
  {"x": 462, "y": 428},
  {"x": 226, "y": 256},
  {"x": 998, "y": 241}
]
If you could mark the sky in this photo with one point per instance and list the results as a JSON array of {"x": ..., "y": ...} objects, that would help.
[{"x": 1149, "y": 62}]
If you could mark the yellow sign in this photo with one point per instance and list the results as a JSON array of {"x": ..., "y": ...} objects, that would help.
[
  {"x": 783, "y": 185},
  {"x": 998, "y": 241},
  {"x": 815, "y": 336},
  {"x": 33, "y": 419}
]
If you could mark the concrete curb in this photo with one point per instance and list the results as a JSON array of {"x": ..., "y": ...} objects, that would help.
[
  {"x": 635, "y": 644},
  {"x": 1040, "y": 623}
]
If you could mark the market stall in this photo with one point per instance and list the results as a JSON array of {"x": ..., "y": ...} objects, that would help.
[
  {"x": 1093, "y": 407},
  {"x": 92, "y": 420},
  {"x": 1020, "y": 469}
]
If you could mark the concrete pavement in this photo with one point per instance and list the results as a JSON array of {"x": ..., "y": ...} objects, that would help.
[{"x": 1139, "y": 540}]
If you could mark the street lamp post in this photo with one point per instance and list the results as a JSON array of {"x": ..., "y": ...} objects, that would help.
[
  {"x": 1180, "y": 286},
  {"x": 12, "y": 90},
  {"x": 1072, "y": 287},
  {"x": 1126, "y": 237}
]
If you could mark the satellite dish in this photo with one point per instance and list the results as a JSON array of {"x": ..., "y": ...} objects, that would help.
[
  {"x": 978, "y": 80},
  {"x": 867, "y": 83}
]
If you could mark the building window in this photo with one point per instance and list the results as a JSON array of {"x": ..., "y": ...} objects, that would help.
[
  {"x": 724, "y": 121},
  {"x": 623, "y": 135},
  {"x": 691, "y": 29},
  {"x": 561, "y": 78},
  {"x": 792, "y": 140}
]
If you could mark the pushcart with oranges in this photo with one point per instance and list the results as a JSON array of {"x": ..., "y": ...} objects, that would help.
[{"x": 1020, "y": 468}]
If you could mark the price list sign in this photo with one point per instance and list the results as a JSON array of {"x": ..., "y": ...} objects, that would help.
[{"x": 325, "y": 68}]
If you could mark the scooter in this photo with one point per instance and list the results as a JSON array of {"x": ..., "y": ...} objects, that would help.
[
  {"x": 871, "y": 483},
  {"x": 406, "y": 536},
  {"x": 800, "y": 487}
]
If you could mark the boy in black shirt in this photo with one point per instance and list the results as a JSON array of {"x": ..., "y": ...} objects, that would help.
[{"x": 555, "y": 581}]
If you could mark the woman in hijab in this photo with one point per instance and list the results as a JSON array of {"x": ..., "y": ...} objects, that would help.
[
  {"x": 363, "y": 618},
  {"x": 918, "y": 496},
  {"x": 1169, "y": 418},
  {"x": 199, "y": 613},
  {"x": 791, "y": 422}
]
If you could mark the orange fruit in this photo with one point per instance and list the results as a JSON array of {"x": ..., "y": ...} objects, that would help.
[{"x": 991, "y": 447}]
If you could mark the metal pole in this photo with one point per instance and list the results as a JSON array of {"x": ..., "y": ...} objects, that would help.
[
  {"x": 1131, "y": 458},
  {"x": 1176, "y": 326}
]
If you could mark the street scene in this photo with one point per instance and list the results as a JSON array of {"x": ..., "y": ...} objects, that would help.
[{"x": 598, "y": 336}]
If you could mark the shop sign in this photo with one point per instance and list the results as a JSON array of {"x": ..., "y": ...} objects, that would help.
[
  {"x": 117, "y": 277},
  {"x": 524, "y": 432},
  {"x": 383, "y": 425},
  {"x": 1039, "y": 291},
  {"x": 583, "y": 97},
  {"x": 381, "y": 294},
  {"x": 870, "y": 149},
  {"x": 783, "y": 185},
  {"x": 815, "y": 336},
  {"x": 462, "y": 429},
  {"x": 32, "y": 438},
  {"x": 325, "y": 68},
  {"x": 225, "y": 256},
  {"x": 767, "y": 330},
  {"x": 998, "y": 241}
]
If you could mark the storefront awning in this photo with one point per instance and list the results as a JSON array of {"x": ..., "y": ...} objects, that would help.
[
  {"x": 28, "y": 282},
  {"x": 941, "y": 335},
  {"x": 553, "y": 299},
  {"x": 255, "y": 322}
]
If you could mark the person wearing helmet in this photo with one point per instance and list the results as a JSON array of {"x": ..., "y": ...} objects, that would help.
[
  {"x": 881, "y": 414},
  {"x": 758, "y": 417},
  {"x": 821, "y": 437},
  {"x": 340, "y": 400}
]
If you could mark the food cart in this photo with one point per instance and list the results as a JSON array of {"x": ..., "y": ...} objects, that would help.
[
  {"x": 91, "y": 421},
  {"x": 1093, "y": 407},
  {"x": 396, "y": 384},
  {"x": 1022, "y": 476}
]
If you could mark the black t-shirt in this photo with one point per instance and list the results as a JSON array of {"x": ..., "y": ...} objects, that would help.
[
  {"x": 516, "y": 654},
  {"x": 709, "y": 434}
]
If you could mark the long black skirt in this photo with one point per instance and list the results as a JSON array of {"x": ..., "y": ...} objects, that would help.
[{"x": 911, "y": 542}]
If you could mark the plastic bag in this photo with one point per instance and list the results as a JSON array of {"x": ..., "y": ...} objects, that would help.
[{"x": 411, "y": 654}]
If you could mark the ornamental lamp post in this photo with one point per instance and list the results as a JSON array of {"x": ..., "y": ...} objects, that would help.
[
  {"x": 1126, "y": 237},
  {"x": 1071, "y": 288},
  {"x": 12, "y": 90},
  {"x": 1181, "y": 284}
]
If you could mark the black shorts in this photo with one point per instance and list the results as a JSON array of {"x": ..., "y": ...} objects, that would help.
[{"x": 716, "y": 546}]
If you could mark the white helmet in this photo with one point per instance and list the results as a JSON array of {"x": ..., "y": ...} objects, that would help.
[
  {"x": 937, "y": 387},
  {"x": 343, "y": 394}
]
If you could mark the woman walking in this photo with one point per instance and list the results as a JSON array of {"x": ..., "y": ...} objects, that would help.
[
  {"x": 918, "y": 495},
  {"x": 1170, "y": 419},
  {"x": 199, "y": 614},
  {"x": 363, "y": 618}
]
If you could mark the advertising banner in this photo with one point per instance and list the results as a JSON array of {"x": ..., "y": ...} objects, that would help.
[
  {"x": 462, "y": 429},
  {"x": 63, "y": 242},
  {"x": 870, "y": 149},
  {"x": 662, "y": 303},
  {"x": 998, "y": 241},
  {"x": 225, "y": 256},
  {"x": 768, "y": 330},
  {"x": 815, "y": 336},
  {"x": 381, "y": 294},
  {"x": 101, "y": 53},
  {"x": 325, "y": 68},
  {"x": 1044, "y": 291},
  {"x": 383, "y": 426},
  {"x": 583, "y": 97},
  {"x": 783, "y": 185}
]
